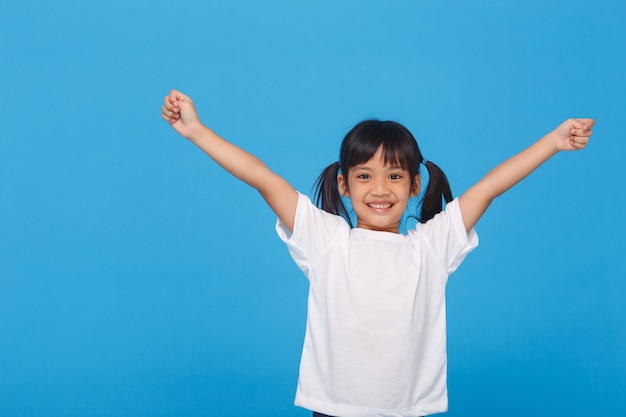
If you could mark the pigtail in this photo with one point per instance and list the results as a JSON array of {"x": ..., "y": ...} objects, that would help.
[
  {"x": 327, "y": 195},
  {"x": 438, "y": 190}
]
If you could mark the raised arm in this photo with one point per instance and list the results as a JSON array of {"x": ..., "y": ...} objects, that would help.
[
  {"x": 571, "y": 135},
  {"x": 178, "y": 110}
]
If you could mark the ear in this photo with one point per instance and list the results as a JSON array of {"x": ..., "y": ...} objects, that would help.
[
  {"x": 343, "y": 185},
  {"x": 417, "y": 184}
]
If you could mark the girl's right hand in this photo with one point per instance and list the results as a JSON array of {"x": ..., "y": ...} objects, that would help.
[{"x": 178, "y": 110}]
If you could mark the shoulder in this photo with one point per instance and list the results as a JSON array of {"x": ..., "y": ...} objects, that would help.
[
  {"x": 315, "y": 232},
  {"x": 307, "y": 210},
  {"x": 449, "y": 217},
  {"x": 311, "y": 221},
  {"x": 445, "y": 236}
]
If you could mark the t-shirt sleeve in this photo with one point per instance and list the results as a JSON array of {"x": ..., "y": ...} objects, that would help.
[
  {"x": 313, "y": 230},
  {"x": 446, "y": 236}
]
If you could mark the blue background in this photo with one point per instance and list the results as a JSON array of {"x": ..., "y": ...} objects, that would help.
[{"x": 138, "y": 279}]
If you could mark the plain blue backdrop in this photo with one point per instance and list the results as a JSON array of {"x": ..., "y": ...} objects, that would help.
[{"x": 138, "y": 279}]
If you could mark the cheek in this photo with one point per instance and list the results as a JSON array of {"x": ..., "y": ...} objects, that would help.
[{"x": 407, "y": 191}]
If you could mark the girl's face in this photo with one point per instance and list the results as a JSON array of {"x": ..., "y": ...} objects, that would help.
[{"x": 379, "y": 193}]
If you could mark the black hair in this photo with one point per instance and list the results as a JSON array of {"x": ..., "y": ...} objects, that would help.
[{"x": 399, "y": 146}]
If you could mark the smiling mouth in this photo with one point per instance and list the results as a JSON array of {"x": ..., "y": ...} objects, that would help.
[{"x": 379, "y": 206}]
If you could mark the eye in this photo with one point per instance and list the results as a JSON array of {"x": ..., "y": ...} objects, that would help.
[
  {"x": 395, "y": 176},
  {"x": 363, "y": 176}
]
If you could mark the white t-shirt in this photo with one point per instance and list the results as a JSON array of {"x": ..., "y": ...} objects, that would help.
[{"x": 375, "y": 342}]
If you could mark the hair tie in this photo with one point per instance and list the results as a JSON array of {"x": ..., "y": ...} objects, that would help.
[{"x": 424, "y": 160}]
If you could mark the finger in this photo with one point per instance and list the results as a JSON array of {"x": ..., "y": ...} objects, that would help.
[
  {"x": 580, "y": 132},
  {"x": 587, "y": 123},
  {"x": 576, "y": 146},
  {"x": 169, "y": 112},
  {"x": 169, "y": 105},
  {"x": 169, "y": 120},
  {"x": 176, "y": 97},
  {"x": 575, "y": 124},
  {"x": 583, "y": 124},
  {"x": 175, "y": 101},
  {"x": 578, "y": 142},
  {"x": 580, "y": 139}
]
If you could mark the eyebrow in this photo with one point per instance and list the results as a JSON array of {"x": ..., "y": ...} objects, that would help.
[{"x": 390, "y": 167}]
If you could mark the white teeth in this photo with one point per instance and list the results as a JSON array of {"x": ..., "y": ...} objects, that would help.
[{"x": 379, "y": 206}]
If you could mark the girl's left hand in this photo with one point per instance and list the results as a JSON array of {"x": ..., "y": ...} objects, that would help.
[{"x": 573, "y": 134}]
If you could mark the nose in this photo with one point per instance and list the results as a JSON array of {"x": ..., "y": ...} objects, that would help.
[{"x": 379, "y": 187}]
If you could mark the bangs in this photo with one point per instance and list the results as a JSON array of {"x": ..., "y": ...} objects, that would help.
[{"x": 398, "y": 144}]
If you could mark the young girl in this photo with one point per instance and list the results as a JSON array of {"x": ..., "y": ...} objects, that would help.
[{"x": 375, "y": 342}]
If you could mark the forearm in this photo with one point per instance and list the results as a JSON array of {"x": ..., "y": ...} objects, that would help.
[
  {"x": 518, "y": 167},
  {"x": 178, "y": 110},
  {"x": 238, "y": 162},
  {"x": 571, "y": 135},
  {"x": 475, "y": 201}
]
